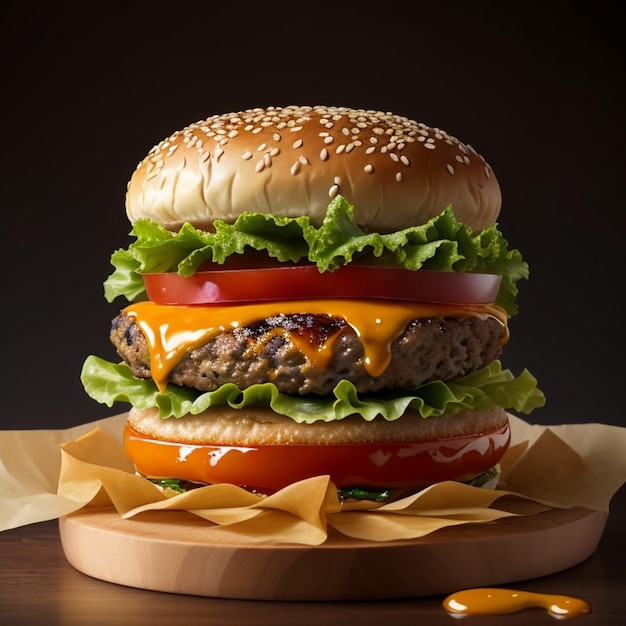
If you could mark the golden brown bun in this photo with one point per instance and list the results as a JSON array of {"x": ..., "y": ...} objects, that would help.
[
  {"x": 260, "y": 426},
  {"x": 291, "y": 161}
]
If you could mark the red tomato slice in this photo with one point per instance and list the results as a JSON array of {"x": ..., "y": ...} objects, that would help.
[
  {"x": 269, "y": 468},
  {"x": 306, "y": 282}
]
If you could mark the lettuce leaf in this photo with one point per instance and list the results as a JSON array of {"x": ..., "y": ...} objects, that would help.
[
  {"x": 108, "y": 383},
  {"x": 443, "y": 244}
]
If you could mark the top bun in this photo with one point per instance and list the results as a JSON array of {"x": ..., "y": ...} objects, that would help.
[{"x": 292, "y": 161}]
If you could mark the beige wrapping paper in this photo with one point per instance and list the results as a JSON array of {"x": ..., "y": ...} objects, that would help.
[{"x": 45, "y": 474}]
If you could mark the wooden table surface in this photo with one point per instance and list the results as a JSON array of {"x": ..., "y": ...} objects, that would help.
[{"x": 39, "y": 587}]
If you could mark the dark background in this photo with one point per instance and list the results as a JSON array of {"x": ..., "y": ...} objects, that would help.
[{"x": 88, "y": 88}]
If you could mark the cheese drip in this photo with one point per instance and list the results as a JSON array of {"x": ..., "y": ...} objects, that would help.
[{"x": 171, "y": 331}]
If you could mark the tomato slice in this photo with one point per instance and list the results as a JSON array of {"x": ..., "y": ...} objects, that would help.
[
  {"x": 306, "y": 282},
  {"x": 269, "y": 468}
]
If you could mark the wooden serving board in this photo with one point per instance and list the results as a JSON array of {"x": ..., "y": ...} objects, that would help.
[{"x": 177, "y": 552}]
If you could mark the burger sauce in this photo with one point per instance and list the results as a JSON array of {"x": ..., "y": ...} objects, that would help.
[{"x": 490, "y": 601}]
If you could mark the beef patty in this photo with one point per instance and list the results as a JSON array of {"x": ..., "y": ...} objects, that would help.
[{"x": 428, "y": 349}]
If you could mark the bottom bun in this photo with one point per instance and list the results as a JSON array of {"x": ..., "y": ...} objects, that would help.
[{"x": 265, "y": 452}]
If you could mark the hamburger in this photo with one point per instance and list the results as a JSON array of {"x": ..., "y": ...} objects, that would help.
[{"x": 313, "y": 290}]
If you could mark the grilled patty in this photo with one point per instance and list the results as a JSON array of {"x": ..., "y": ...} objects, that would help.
[{"x": 429, "y": 349}]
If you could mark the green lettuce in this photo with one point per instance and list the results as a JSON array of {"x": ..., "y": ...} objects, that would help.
[
  {"x": 108, "y": 383},
  {"x": 442, "y": 244}
]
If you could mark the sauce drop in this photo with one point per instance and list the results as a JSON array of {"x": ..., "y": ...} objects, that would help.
[{"x": 490, "y": 601}]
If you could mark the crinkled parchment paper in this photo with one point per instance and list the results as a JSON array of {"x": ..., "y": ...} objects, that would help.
[{"x": 45, "y": 474}]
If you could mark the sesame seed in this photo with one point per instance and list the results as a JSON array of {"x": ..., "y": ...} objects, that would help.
[
  {"x": 261, "y": 147},
  {"x": 298, "y": 143},
  {"x": 333, "y": 191},
  {"x": 450, "y": 168},
  {"x": 369, "y": 168},
  {"x": 405, "y": 160},
  {"x": 260, "y": 166},
  {"x": 246, "y": 155},
  {"x": 399, "y": 176},
  {"x": 295, "y": 168},
  {"x": 324, "y": 154},
  {"x": 370, "y": 150}
]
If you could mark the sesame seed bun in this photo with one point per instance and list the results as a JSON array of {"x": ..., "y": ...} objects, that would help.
[{"x": 290, "y": 161}]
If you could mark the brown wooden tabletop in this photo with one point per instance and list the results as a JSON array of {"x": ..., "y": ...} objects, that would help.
[{"x": 38, "y": 586}]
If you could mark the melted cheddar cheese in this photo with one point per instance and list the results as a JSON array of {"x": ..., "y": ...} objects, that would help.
[{"x": 171, "y": 331}]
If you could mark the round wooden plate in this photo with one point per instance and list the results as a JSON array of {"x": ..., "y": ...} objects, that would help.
[{"x": 177, "y": 552}]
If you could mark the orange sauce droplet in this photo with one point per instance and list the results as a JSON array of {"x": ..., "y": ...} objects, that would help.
[{"x": 490, "y": 601}]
